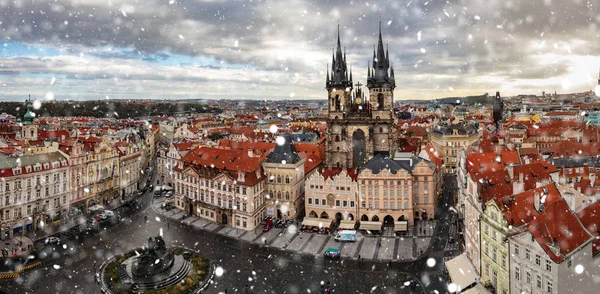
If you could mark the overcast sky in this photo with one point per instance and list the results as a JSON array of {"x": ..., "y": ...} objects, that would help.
[{"x": 99, "y": 49}]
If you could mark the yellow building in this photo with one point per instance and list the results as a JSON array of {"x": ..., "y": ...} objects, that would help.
[{"x": 449, "y": 140}]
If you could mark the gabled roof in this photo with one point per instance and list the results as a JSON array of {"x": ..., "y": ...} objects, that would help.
[
  {"x": 557, "y": 226},
  {"x": 53, "y": 134},
  {"x": 329, "y": 173},
  {"x": 520, "y": 209},
  {"x": 492, "y": 161}
]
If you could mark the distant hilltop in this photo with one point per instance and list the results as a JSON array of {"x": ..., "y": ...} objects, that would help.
[{"x": 484, "y": 99}]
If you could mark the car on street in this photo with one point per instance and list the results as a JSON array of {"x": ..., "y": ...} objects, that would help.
[
  {"x": 169, "y": 194},
  {"x": 451, "y": 239},
  {"x": 109, "y": 213},
  {"x": 267, "y": 228},
  {"x": 332, "y": 253},
  {"x": 52, "y": 240}
]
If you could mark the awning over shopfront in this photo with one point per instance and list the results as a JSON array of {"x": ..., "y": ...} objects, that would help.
[
  {"x": 316, "y": 222},
  {"x": 17, "y": 227},
  {"x": 461, "y": 272},
  {"x": 401, "y": 226},
  {"x": 370, "y": 225},
  {"x": 347, "y": 225}
]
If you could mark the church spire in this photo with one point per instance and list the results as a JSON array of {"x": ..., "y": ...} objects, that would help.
[
  {"x": 381, "y": 76},
  {"x": 340, "y": 77},
  {"x": 327, "y": 81}
]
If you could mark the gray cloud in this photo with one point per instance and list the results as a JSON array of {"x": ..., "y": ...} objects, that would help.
[{"x": 468, "y": 44}]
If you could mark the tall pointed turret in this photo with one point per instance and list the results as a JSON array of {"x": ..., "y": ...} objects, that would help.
[
  {"x": 340, "y": 77},
  {"x": 498, "y": 109},
  {"x": 381, "y": 76}
]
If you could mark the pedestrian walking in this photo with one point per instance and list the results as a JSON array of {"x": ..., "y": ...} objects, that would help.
[
  {"x": 322, "y": 290},
  {"x": 420, "y": 230}
]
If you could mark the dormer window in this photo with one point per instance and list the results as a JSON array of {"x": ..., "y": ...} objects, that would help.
[
  {"x": 46, "y": 166},
  {"x": 17, "y": 171},
  {"x": 28, "y": 169}
]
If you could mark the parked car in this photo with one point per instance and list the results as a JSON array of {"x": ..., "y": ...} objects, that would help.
[
  {"x": 109, "y": 213},
  {"x": 451, "y": 239},
  {"x": 267, "y": 228},
  {"x": 332, "y": 253},
  {"x": 169, "y": 194},
  {"x": 52, "y": 240}
]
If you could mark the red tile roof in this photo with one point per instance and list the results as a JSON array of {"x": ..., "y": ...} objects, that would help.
[
  {"x": 557, "y": 225},
  {"x": 520, "y": 210},
  {"x": 53, "y": 134},
  {"x": 485, "y": 162}
]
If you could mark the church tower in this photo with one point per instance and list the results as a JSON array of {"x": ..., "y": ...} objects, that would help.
[
  {"x": 357, "y": 127},
  {"x": 29, "y": 129},
  {"x": 339, "y": 84},
  {"x": 381, "y": 82},
  {"x": 498, "y": 110}
]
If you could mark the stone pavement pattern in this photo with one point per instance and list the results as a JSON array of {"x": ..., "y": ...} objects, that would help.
[{"x": 397, "y": 248}]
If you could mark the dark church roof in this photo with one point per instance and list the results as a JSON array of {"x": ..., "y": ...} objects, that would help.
[
  {"x": 341, "y": 77},
  {"x": 309, "y": 137},
  {"x": 284, "y": 152},
  {"x": 380, "y": 162}
]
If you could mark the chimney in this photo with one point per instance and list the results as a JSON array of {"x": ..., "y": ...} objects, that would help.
[
  {"x": 511, "y": 171},
  {"x": 521, "y": 178},
  {"x": 592, "y": 179},
  {"x": 536, "y": 201},
  {"x": 250, "y": 153}
]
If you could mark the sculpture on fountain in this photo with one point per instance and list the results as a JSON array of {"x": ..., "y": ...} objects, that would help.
[{"x": 154, "y": 260}]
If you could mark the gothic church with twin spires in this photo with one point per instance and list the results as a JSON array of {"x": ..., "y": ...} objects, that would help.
[{"x": 360, "y": 126}]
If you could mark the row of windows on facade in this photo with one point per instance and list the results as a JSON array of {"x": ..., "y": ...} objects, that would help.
[
  {"x": 18, "y": 184},
  {"x": 17, "y": 212},
  {"x": 279, "y": 195},
  {"x": 323, "y": 202},
  {"x": 538, "y": 280},
  {"x": 337, "y": 188},
  {"x": 18, "y": 198},
  {"x": 206, "y": 212},
  {"x": 391, "y": 182},
  {"x": 224, "y": 203},
  {"x": 38, "y": 167},
  {"x": 225, "y": 188},
  {"x": 363, "y": 204},
  {"x": 279, "y": 179},
  {"x": 385, "y": 184},
  {"x": 538, "y": 258},
  {"x": 391, "y": 193},
  {"x": 219, "y": 185}
]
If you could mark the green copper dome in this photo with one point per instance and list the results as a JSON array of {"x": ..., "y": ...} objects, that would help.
[{"x": 29, "y": 115}]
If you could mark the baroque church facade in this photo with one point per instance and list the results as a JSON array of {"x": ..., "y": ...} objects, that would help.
[{"x": 360, "y": 126}]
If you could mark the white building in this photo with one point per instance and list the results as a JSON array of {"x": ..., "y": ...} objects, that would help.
[
  {"x": 557, "y": 252},
  {"x": 169, "y": 158},
  {"x": 33, "y": 191}
]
